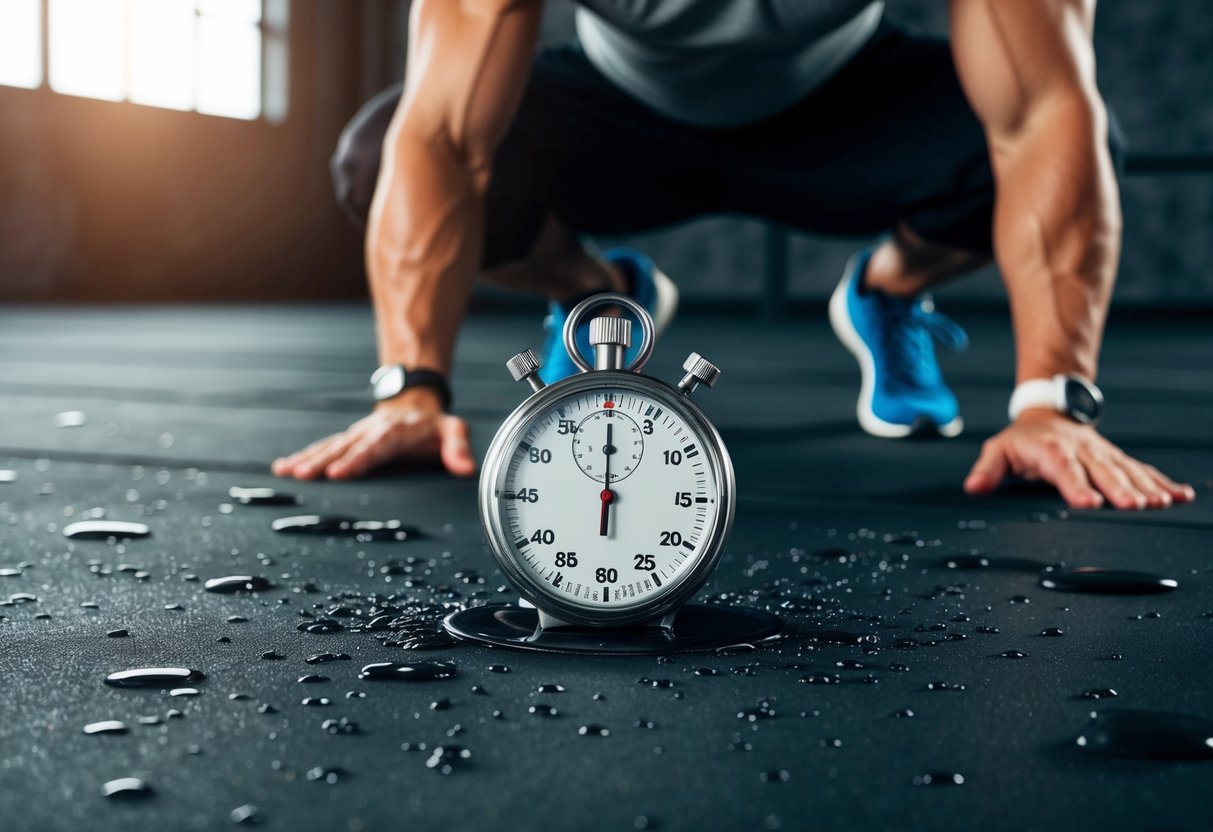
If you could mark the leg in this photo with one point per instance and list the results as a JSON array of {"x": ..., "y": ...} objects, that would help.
[
  {"x": 556, "y": 266},
  {"x": 888, "y": 146},
  {"x": 905, "y": 264},
  {"x": 577, "y": 160},
  {"x": 559, "y": 267},
  {"x": 354, "y": 165}
]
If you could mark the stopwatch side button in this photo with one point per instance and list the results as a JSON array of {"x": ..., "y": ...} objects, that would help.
[
  {"x": 699, "y": 371},
  {"x": 525, "y": 367}
]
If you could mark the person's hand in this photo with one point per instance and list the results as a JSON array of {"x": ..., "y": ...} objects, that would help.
[
  {"x": 1086, "y": 468},
  {"x": 412, "y": 425}
]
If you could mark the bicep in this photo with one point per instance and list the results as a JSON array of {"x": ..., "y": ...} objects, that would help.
[
  {"x": 1019, "y": 58},
  {"x": 468, "y": 65}
]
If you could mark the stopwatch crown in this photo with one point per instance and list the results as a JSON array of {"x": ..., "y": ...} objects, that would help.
[{"x": 615, "y": 332}]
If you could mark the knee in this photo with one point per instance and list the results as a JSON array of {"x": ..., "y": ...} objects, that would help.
[{"x": 355, "y": 163}]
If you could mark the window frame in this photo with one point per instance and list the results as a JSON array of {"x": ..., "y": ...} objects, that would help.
[{"x": 275, "y": 76}]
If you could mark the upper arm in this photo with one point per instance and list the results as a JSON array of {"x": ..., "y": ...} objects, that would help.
[
  {"x": 1019, "y": 58},
  {"x": 468, "y": 65}
]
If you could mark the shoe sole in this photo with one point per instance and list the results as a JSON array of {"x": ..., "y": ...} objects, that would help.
[
  {"x": 840, "y": 321},
  {"x": 666, "y": 304}
]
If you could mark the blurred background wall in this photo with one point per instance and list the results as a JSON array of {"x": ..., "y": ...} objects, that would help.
[{"x": 117, "y": 201}]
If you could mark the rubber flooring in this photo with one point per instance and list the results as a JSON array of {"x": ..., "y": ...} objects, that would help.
[{"x": 889, "y": 580}]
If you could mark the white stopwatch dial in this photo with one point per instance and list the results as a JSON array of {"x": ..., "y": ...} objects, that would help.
[{"x": 607, "y": 498}]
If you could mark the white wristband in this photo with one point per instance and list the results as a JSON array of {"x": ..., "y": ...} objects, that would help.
[{"x": 1038, "y": 392}]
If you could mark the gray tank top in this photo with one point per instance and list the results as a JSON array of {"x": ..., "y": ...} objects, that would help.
[{"x": 722, "y": 63}]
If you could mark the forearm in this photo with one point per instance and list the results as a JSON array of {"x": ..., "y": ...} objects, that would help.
[
  {"x": 422, "y": 249},
  {"x": 1057, "y": 231},
  {"x": 468, "y": 63}
]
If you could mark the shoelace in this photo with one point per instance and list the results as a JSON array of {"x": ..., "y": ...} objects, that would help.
[{"x": 912, "y": 326}]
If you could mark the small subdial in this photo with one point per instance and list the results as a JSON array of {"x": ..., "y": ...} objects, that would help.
[{"x": 608, "y": 443}]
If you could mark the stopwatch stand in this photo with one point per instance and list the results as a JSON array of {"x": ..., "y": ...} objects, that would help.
[{"x": 696, "y": 627}]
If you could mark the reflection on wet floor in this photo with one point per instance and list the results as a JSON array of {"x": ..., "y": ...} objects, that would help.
[{"x": 181, "y": 624}]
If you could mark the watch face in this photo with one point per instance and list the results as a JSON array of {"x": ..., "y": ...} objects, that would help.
[
  {"x": 387, "y": 381},
  {"x": 607, "y": 502},
  {"x": 1084, "y": 402}
]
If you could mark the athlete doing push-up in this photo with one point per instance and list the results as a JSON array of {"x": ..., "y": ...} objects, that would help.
[{"x": 817, "y": 114}]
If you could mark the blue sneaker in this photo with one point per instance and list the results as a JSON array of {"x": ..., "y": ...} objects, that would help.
[
  {"x": 903, "y": 391},
  {"x": 652, "y": 289}
]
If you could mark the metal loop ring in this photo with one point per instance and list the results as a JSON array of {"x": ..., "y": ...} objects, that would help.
[{"x": 647, "y": 330}]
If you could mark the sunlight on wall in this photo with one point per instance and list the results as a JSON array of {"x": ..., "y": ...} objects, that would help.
[
  {"x": 21, "y": 43},
  {"x": 203, "y": 55}
]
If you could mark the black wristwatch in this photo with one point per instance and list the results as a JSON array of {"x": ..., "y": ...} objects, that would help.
[
  {"x": 1066, "y": 393},
  {"x": 390, "y": 380}
]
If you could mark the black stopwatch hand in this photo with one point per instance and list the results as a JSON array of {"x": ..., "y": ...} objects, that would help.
[{"x": 607, "y": 496}]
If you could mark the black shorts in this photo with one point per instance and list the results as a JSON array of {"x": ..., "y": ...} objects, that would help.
[{"x": 890, "y": 138}]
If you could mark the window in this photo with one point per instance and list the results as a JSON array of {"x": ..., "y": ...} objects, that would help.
[
  {"x": 21, "y": 43},
  {"x": 218, "y": 57}
]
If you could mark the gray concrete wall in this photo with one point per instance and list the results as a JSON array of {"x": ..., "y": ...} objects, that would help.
[{"x": 1155, "y": 67}]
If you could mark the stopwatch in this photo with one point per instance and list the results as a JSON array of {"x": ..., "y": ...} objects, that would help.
[{"x": 606, "y": 499}]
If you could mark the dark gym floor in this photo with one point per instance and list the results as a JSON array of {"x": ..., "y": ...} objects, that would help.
[{"x": 835, "y": 530}]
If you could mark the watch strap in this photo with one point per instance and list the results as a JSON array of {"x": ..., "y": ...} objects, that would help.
[
  {"x": 1038, "y": 392},
  {"x": 433, "y": 379},
  {"x": 419, "y": 377}
]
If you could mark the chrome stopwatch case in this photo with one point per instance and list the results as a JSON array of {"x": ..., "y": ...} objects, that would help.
[{"x": 607, "y": 499}]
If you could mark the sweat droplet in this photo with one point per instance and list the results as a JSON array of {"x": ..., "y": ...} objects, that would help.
[
  {"x": 1106, "y": 581},
  {"x": 414, "y": 672},
  {"x": 593, "y": 731},
  {"x": 945, "y": 686},
  {"x": 102, "y": 529},
  {"x": 444, "y": 758},
  {"x": 238, "y": 583},
  {"x": 149, "y": 677},
  {"x": 1013, "y": 654},
  {"x": 326, "y": 775},
  {"x": 1155, "y": 735},
  {"x": 321, "y": 658},
  {"x": 126, "y": 788},
  {"x": 335, "y": 524},
  {"x": 939, "y": 778},
  {"x": 247, "y": 814},
  {"x": 109, "y": 726},
  {"x": 70, "y": 419},
  {"x": 312, "y": 524},
  {"x": 261, "y": 496}
]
